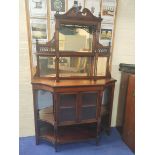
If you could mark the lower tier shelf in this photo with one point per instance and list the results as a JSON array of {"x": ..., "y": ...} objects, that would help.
[{"x": 68, "y": 134}]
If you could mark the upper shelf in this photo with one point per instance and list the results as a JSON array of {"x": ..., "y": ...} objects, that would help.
[
  {"x": 72, "y": 83},
  {"x": 48, "y": 50}
]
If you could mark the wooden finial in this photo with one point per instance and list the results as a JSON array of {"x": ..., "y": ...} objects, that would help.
[
  {"x": 99, "y": 14},
  {"x": 109, "y": 43}
]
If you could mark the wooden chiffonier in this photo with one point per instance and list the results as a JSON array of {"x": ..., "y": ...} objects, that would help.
[
  {"x": 77, "y": 110},
  {"x": 74, "y": 69}
]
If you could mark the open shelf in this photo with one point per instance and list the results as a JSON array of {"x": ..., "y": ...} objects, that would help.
[
  {"x": 47, "y": 133},
  {"x": 68, "y": 134},
  {"x": 46, "y": 115},
  {"x": 67, "y": 107},
  {"x": 89, "y": 105}
]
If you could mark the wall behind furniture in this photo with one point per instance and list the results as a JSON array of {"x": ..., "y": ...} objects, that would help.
[
  {"x": 124, "y": 47},
  {"x": 123, "y": 52},
  {"x": 26, "y": 125}
]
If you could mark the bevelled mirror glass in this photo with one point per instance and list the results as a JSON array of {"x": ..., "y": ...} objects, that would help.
[
  {"x": 101, "y": 66},
  {"x": 47, "y": 66},
  {"x": 74, "y": 66},
  {"x": 75, "y": 38}
]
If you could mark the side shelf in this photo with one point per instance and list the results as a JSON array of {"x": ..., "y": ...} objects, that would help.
[{"x": 46, "y": 115}]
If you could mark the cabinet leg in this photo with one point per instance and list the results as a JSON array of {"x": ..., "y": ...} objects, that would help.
[
  {"x": 108, "y": 131},
  {"x": 36, "y": 115},
  {"x": 56, "y": 147},
  {"x": 97, "y": 140},
  {"x": 110, "y": 98},
  {"x": 37, "y": 140},
  {"x": 56, "y": 136},
  {"x": 98, "y": 133}
]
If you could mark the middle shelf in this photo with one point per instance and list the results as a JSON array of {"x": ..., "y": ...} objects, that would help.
[{"x": 46, "y": 114}]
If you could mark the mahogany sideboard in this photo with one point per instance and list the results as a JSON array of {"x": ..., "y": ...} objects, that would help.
[
  {"x": 74, "y": 67},
  {"x": 77, "y": 112}
]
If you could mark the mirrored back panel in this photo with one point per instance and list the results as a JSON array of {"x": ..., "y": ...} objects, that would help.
[
  {"x": 47, "y": 67},
  {"x": 75, "y": 38},
  {"x": 101, "y": 66},
  {"x": 74, "y": 66}
]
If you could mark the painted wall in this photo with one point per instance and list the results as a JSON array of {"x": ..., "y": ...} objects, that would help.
[
  {"x": 26, "y": 119},
  {"x": 123, "y": 53},
  {"x": 124, "y": 44}
]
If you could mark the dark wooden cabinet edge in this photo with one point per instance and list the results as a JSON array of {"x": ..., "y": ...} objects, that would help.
[{"x": 128, "y": 68}]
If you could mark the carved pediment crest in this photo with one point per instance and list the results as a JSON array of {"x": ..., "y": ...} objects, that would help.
[{"x": 76, "y": 13}]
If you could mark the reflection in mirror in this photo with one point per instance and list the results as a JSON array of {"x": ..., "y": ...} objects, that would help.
[
  {"x": 101, "y": 66},
  {"x": 75, "y": 38},
  {"x": 34, "y": 64},
  {"x": 74, "y": 66},
  {"x": 47, "y": 66}
]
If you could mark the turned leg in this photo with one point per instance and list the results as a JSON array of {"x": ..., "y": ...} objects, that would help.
[
  {"x": 56, "y": 137},
  {"x": 108, "y": 131},
  {"x": 111, "y": 96},
  {"x": 56, "y": 147},
  {"x": 98, "y": 133},
  {"x": 36, "y": 115}
]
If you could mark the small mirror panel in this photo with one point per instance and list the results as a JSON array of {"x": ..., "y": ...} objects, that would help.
[
  {"x": 47, "y": 66},
  {"x": 101, "y": 66}
]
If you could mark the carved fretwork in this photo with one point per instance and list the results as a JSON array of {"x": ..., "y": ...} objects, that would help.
[
  {"x": 102, "y": 49},
  {"x": 47, "y": 47},
  {"x": 75, "y": 12}
]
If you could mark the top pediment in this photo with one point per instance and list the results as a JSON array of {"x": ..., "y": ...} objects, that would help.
[{"x": 76, "y": 13}]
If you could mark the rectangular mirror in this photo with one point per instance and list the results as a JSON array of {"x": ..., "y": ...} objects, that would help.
[
  {"x": 101, "y": 66},
  {"x": 47, "y": 66},
  {"x": 74, "y": 66},
  {"x": 75, "y": 38}
]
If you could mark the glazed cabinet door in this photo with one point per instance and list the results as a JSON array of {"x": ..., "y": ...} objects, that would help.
[
  {"x": 88, "y": 106},
  {"x": 67, "y": 105}
]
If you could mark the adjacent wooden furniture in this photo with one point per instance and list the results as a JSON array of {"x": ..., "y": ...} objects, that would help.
[
  {"x": 129, "y": 120},
  {"x": 126, "y": 71},
  {"x": 126, "y": 105},
  {"x": 76, "y": 80}
]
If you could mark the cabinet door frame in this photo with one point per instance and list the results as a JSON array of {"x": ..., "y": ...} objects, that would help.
[
  {"x": 58, "y": 108},
  {"x": 80, "y": 107}
]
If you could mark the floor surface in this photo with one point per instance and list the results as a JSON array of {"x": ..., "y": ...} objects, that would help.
[{"x": 109, "y": 145}]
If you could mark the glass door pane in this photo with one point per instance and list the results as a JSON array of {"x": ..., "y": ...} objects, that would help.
[
  {"x": 67, "y": 107},
  {"x": 88, "y": 105}
]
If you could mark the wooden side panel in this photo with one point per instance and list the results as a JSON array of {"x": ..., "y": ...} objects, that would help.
[
  {"x": 122, "y": 99},
  {"x": 129, "y": 121}
]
